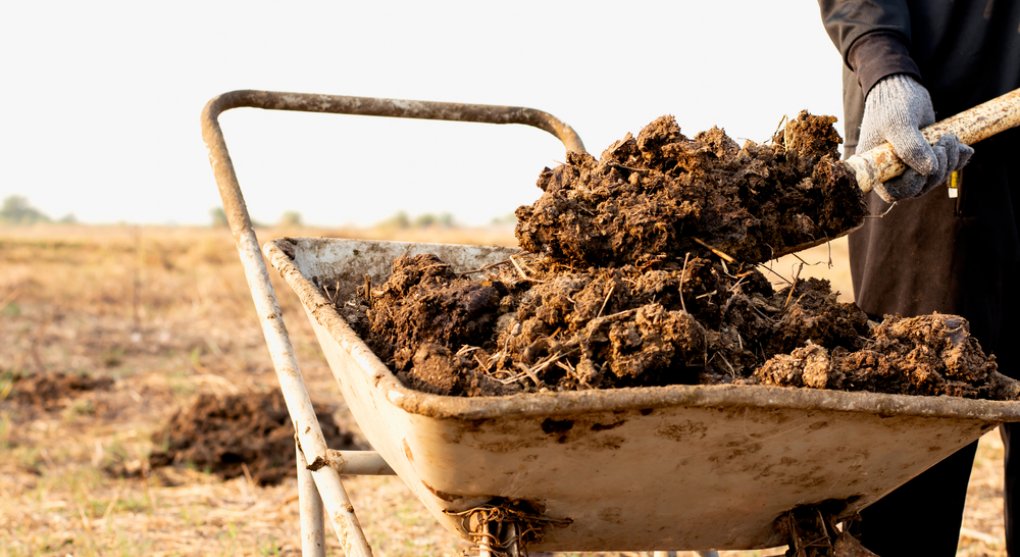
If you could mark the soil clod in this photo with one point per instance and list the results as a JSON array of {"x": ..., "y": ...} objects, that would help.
[
  {"x": 925, "y": 355},
  {"x": 663, "y": 194},
  {"x": 641, "y": 270},
  {"x": 699, "y": 321}
]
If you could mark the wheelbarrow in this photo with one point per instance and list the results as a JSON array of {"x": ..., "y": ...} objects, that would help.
[{"x": 700, "y": 467}]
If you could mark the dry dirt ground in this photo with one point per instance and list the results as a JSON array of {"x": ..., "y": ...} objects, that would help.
[{"x": 164, "y": 313}]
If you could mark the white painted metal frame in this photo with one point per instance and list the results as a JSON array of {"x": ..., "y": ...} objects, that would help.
[{"x": 319, "y": 482}]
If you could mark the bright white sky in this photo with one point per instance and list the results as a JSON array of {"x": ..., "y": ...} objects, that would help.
[{"x": 100, "y": 101}]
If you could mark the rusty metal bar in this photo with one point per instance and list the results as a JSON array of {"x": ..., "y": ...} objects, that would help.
[
  {"x": 311, "y": 443},
  {"x": 313, "y": 537},
  {"x": 399, "y": 108}
]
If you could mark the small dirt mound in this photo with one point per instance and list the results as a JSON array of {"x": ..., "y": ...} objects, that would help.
[
  {"x": 225, "y": 434},
  {"x": 663, "y": 194},
  {"x": 52, "y": 390}
]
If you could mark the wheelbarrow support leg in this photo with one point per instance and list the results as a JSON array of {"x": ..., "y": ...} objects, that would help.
[
  {"x": 313, "y": 537},
  {"x": 295, "y": 395}
]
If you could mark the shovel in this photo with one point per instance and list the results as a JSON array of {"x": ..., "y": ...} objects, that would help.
[{"x": 881, "y": 164}]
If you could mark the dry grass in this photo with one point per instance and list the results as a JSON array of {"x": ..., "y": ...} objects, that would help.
[{"x": 165, "y": 312}]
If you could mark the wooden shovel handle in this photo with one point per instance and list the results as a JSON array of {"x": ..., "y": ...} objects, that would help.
[{"x": 983, "y": 121}]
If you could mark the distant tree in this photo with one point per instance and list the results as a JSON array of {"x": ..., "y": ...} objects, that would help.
[
  {"x": 400, "y": 221},
  {"x": 68, "y": 219},
  {"x": 507, "y": 219},
  {"x": 429, "y": 220},
  {"x": 291, "y": 219},
  {"x": 16, "y": 210},
  {"x": 446, "y": 220},
  {"x": 218, "y": 217}
]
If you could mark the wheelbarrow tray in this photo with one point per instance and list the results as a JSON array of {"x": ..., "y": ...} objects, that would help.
[{"x": 674, "y": 467}]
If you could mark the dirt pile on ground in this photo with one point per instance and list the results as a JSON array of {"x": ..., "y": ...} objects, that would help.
[
  {"x": 662, "y": 194},
  {"x": 226, "y": 434},
  {"x": 641, "y": 271},
  {"x": 51, "y": 390}
]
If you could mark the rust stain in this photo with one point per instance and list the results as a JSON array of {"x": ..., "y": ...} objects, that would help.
[
  {"x": 318, "y": 463},
  {"x": 508, "y": 446},
  {"x": 448, "y": 497},
  {"x": 604, "y": 427},
  {"x": 612, "y": 442},
  {"x": 476, "y": 424},
  {"x": 683, "y": 431},
  {"x": 559, "y": 428},
  {"x": 613, "y": 515},
  {"x": 742, "y": 449}
]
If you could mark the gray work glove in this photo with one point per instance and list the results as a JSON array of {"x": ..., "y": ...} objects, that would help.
[{"x": 896, "y": 109}]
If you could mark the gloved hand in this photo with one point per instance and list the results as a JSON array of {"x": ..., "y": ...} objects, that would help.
[{"x": 896, "y": 109}]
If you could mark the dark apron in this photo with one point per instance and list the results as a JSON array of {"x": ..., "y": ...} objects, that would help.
[
  {"x": 958, "y": 256},
  {"x": 940, "y": 254}
]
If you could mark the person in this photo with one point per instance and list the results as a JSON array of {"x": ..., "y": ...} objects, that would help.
[{"x": 906, "y": 63}]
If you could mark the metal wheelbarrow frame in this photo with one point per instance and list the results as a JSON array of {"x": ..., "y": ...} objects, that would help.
[
  {"x": 319, "y": 484},
  {"x": 732, "y": 449}
]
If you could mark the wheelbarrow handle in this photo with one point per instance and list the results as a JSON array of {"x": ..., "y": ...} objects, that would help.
[
  {"x": 223, "y": 169},
  {"x": 881, "y": 164},
  {"x": 311, "y": 445}
]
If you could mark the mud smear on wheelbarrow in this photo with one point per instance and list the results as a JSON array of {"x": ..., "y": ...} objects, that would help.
[
  {"x": 226, "y": 434},
  {"x": 642, "y": 273},
  {"x": 663, "y": 194}
]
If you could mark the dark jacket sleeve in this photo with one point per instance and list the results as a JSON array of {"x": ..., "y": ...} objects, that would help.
[{"x": 873, "y": 36}]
